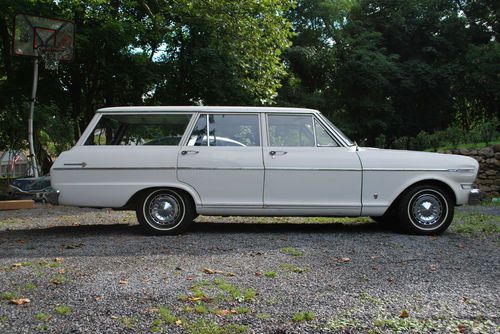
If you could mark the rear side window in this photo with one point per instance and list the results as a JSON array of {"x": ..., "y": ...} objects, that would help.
[
  {"x": 157, "y": 129},
  {"x": 226, "y": 130}
]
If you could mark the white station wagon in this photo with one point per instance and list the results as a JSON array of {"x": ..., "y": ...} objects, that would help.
[{"x": 171, "y": 164}]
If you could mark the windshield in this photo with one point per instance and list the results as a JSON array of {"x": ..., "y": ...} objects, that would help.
[{"x": 340, "y": 133}]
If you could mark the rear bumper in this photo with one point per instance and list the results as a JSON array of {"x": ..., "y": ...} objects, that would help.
[
  {"x": 52, "y": 196},
  {"x": 475, "y": 196}
]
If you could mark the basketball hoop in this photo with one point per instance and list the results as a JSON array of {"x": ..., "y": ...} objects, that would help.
[
  {"x": 52, "y": 57},
  {"x": 49, "y": 39}
]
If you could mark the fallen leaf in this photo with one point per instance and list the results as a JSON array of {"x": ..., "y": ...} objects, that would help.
[
  {"x": 62, "y": 271},
  {"x": 43, "y": 263},
  {"x": 196, "y": 299},
  {"x": 258, "y": 273},
  {"x": 20, "y": 301},
  {"x": 16, "y": 265},
  {"x": 189, "y": 278},
  {"x": 404, "y": 314},
  {"x": 223, "y": 313},
  {"x": 220, "y": 272},
  {"x": 20, "y": 241},
  {"x": 391, "y": 279},
  {"x": 56, "y": 281},
  {"x": 114, "y": 317},
  {"x": 344, "y": 260},
  {"x": 58, "y": 259},
  {"x": 462, "y": 328},
  {"x": 178, "y": 322},
  {"x": 98, "y": 298},
  {"x": 123, "y": 282}
]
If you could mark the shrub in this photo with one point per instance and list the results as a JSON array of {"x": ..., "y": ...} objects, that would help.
[
  {"x": 400, "y": 143},
  {"x": 381, "y": 141}
]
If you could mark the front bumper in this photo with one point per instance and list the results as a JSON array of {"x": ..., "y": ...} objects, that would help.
[{"x": 475, "y": 196}]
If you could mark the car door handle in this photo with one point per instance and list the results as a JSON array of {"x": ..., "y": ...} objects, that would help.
[
  {"x": 273, "y": 153},
  {"x": 189, "y": 152}
]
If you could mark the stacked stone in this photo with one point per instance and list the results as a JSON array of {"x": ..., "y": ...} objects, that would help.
[{"x": 488, "y": 179}]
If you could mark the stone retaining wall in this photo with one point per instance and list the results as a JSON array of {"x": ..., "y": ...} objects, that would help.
[{"x": 488, "y": 179}]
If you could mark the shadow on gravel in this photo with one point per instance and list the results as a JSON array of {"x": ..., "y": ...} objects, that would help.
[
  {"x": 215, "y": 238},
  {"x": 200, "y": 227}
]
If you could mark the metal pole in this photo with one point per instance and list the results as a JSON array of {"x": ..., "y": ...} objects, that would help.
[{"x": 34, "y": 165}]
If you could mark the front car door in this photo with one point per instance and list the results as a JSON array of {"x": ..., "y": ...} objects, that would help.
[
  {"x": 222, "y": 160},
  {"x": 307, "y": 170}
]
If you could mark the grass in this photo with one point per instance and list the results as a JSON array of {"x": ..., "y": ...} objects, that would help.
[
  {"x": 203, "y": 326},
  {"x": 128, "y": 322},
  {"x": 293, "y": 268},
  {"x": 342, "y": 324},
  {"x": 63, "y": 310},
  {"x": 263, "y": 316},
  {"x": 291, "y": 251},
  {"x": 242, "y": 310},
  {"x": 58, "y": 279},
  {"x": 30, "y": 287},
  {"x": 303, "y": 316},
  {"x": 42, "y": 316},
  {"x": 9, "y": 295},
  {"x": 271, "y": 274},
  {"x": 476, "y": 223},
  {"x": 42, "y": 328},
  {"x": 166, "y": 315},
  {"x": 201, "y": 308}
]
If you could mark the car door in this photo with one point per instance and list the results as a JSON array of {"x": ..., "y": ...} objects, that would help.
[
  {"x": 307, "y": 171},
  {"x": 222, "y": 160}
]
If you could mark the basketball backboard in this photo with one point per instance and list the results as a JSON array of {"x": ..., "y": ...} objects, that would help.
[{"x": 34, "y": 34}]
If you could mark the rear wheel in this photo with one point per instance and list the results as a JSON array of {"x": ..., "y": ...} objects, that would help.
[
  {"x": 165, "y": 212},
  {"x": 425, "y": 210}
]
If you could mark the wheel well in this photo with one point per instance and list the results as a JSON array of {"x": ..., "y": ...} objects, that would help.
[
  {"x": 132, "y": 202},
  {"x": 436, "y": 183}
]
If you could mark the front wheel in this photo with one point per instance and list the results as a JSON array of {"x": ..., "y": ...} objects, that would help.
[
  {"x": 165, "y": 212},
  {"x": 425, "y": 210}
]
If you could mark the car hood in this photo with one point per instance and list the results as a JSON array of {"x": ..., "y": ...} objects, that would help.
[{"x": 373, "y": 158}]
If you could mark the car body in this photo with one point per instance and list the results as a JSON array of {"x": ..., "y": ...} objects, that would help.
[{"x": 257, "y": 162}]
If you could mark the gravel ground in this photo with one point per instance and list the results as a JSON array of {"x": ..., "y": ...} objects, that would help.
[{"x": 93, "y": 271}]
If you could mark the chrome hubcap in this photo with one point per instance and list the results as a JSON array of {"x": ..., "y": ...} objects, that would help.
[
  {"x": 427, "y": 209},
  {"x": 164, "y": 209}
]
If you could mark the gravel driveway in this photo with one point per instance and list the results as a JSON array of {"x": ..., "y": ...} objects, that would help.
[{"x": 93, "y": 271}]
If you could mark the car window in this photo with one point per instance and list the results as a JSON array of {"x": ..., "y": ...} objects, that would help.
[
  {"x": 290, "y": 130},
  {"x": 126, "y": 129},
  {"x": 226, "y": 130},
  {"x": 323, "y": 138}
]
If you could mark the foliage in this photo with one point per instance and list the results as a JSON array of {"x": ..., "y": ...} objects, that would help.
[{"x": 141, "y": 52}]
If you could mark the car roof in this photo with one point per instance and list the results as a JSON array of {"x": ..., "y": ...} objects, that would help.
[{"x": 204, "y": 109}]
